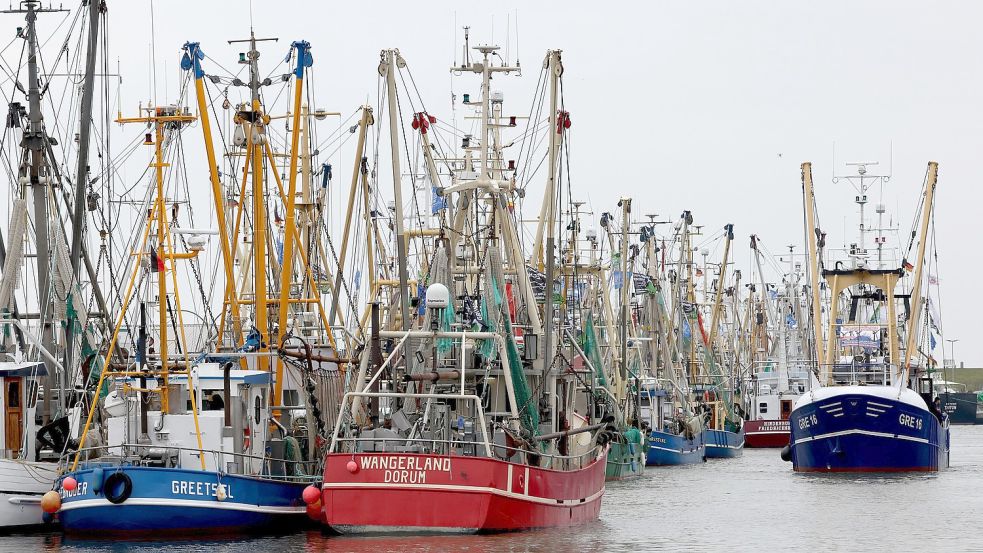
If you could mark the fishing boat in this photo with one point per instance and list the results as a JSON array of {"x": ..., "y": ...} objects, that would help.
[
  {"x": 724, "y": 433},
  {"x": 780, "y": 372},
  {"x": 876, "y": 410},
  {"x": 674, "y": 429},
  {"x": 24, "y": 480},
  {"x": 215, "y": 430},
  {"x": 485, "y": 428},
  {"x": 614, "y": 354},
  {"x": 42, "y": 258}
]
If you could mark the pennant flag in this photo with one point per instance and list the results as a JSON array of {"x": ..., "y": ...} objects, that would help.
[
  {"x": 156, "y": 263},
  {"x": 931, "y": 341},
  {"x": 907, "y": 266}
]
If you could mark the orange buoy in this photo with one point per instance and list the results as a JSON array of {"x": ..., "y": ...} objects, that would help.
[
  {"x": 70, "y": 484},
  {"x": 51, "y": 502}
]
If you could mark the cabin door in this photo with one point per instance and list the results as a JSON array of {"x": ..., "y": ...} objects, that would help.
[
  {"x": 786, "y": 409},
  {"x": 13, "y": 414}
]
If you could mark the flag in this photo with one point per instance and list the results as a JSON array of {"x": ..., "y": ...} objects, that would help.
[
  {"x": 699, "y": 272},
  {"x": 931, "y": 341},
  {"x": 437, "y": 202},
  {"x": 156, "y": 263},
  {"x": 907, "y": 266},
  {"x": 933, "y": 314}
]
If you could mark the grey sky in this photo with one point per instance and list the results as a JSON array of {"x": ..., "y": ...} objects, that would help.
[{"x": 682, "y": 105}]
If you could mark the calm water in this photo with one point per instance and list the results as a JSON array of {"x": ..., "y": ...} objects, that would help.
[{"x": 752, "y": 503}]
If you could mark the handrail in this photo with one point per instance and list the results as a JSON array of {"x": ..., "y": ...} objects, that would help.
[
  {"x": 472, "y": 397},
  {"x": 555, "y": 457},
  {"x": 214, "y": 452}
]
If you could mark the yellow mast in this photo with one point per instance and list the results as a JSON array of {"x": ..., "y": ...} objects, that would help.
[
  {"x": 159, "y": 118},
  {"x": 286, "y": 268},
  {"x": 193, "y": 60},
  {"x": 809, "y": 199},
  {"x": 916, "y": 303}
]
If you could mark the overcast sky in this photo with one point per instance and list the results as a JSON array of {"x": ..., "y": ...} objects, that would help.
[{"x": 706, "y": 106}]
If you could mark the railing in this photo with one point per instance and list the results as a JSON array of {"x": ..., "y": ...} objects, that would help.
[
  {"x": 560, "y": 462},
  {"x": 860, "y": 373},
  {"x": 311, "y": 469},
  {"x": 461, "y": 447}
]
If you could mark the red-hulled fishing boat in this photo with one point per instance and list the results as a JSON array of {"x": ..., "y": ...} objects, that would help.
[
  {"x": 377, "y": 492},
  {"x": 464, "y": 415}
]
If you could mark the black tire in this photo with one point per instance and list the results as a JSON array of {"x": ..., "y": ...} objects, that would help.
[{"x": 118, "y": 487}]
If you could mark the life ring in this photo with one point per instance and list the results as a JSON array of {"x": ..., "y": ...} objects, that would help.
[{"x": 118, "y": 487}]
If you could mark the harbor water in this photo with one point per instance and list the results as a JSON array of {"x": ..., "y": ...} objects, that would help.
[{"x": 751, "y": 503}]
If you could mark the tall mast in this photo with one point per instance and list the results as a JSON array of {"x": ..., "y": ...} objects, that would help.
[
  {"x": 256, "y": 140},
  {"x": 82, "y": 171},
  {"x": 35, "y": 174},
  {"x": 912, "y": 334},
  {"x": 304, "y": 60},
  {"x": 715, "y": 318},
  {"x": 555, "y": 70},
  {"x": 814, "y": 265},
  {"x": 683, "y": 233},
  {"x": 194, "y": 58},
  {"x": 391, "y": 58},
  {"x": 85, "y": 126},
  {"x": 625, "y": 205}
]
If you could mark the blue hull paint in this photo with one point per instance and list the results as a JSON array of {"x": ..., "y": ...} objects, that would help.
[
  {"x": 179, "y": 500},
  {"x": 857, "y": 432},
  {"x": 722, "y": 444},
  {"x": 666, "y": 449}
]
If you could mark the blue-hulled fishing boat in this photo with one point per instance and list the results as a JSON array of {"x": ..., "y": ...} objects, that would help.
[
  {"x": 218, "y": 438},
  {"x": 723, "y": 444},
  {"x": 866, "y": 416}
]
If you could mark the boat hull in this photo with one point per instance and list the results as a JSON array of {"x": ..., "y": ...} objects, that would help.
[
  {"x": 625, "y": 460},
  {"x": 766, "y": 433},
  {"x": 855, "y": 430},
  {"x": 166, "y": 500},
  {"x": 722, "y": 444},
  {"x": 411, "y": 492},
  {"x": 21, "y": 486},
  {"x": 666, "y": 449}
]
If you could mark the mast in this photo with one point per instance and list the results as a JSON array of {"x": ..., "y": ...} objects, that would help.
[
  {"x": 82, "y": 171},
  {"x": 256, "y": 140},
  {"x": 194, "y": 57},
  {"x": 933, "y": 173},
  {"x": 814, "y": 264},
  {"x": 625, "y": 205},
  {"x": 715, "y": 318},
  {"x": 391, "y": 59},
  {"x": 35, "y": 174},
  {"x": 555, "y": 69},
  {"x": 363, "y": 126},
  {"x": 287, "y": 266}
]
